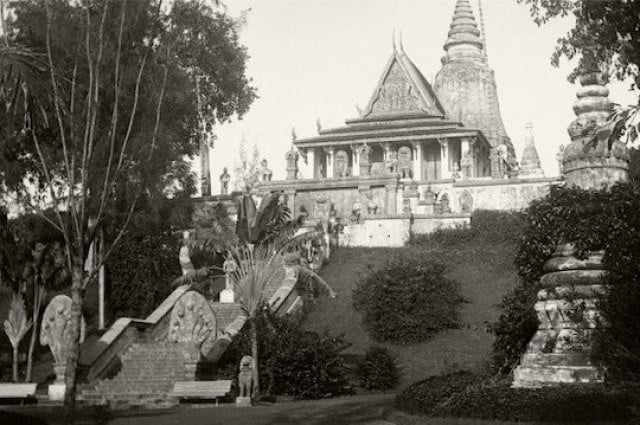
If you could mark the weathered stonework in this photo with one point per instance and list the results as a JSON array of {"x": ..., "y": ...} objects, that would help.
[{"x": 559, "y": 352}]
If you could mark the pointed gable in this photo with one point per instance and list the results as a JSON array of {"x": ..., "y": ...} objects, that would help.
[{"x": 402, "y": 89}]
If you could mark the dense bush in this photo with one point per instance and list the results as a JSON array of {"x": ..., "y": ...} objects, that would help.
[
  {"x": 424, "y": 396},
  {"x": 463, "y": 394},
  {"x": 486, "y": 225},
  {"x": 142, "y": 267},
  {"x": 498, "y": 401},
  {"x": 292, "y": 362},
  {"x": 378, "y": 370},
  {"x": 592, "y": 220},
  {"x": 408, "y": 299}
]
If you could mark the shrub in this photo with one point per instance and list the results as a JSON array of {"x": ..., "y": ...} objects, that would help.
[
  {"x": 142, "y": 267},
  {"x": 515, "y": 327},
  {"x": 592, "y": 220},
  {"x": 498, "y": 401},
  {"x": 408, "y": 299},
  {"x": 292, "y": 361},
  {"x": 378, "y": 370},
  {"x": 424, "y": 396}
]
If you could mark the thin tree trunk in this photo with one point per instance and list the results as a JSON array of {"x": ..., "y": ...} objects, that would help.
[
  {"x": 254, "y": 354},
  {"x": 75, "y": 323},
  {"x": 35, "y": 316},
  {"x": 32, "y": 344},
  {"x": 15, "y": 364}
]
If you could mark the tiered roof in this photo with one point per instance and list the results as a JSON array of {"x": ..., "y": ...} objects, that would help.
[{"x": 402, "y": 107}]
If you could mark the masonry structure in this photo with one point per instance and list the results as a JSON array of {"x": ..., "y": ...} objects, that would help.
[{"x": 418, "y": 157}]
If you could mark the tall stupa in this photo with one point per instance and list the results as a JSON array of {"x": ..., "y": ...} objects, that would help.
[{"x": 466, "y": 85}]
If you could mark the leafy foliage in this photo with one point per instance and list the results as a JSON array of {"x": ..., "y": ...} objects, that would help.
[
  {"x": 424, "y": 396},
  {"x": 142, "y": 267},
  {"x": 378, "y": 370},
  {"x": 408, "y": 299},
  {"x": 606, "y": 33},
  {"x": 592, "y": 220},
  {"x": 498, "y": 401},
  {"x": 293, "y": 362}
]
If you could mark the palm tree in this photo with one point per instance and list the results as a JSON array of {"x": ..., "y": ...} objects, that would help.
[
  {"x": 16, "y": 326},
  {"x": 262, "y": 238}
]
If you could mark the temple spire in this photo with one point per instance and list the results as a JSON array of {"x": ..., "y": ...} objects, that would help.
[
  {"x": 464, "y": 40},
  {"x": 530, "y": 164}
]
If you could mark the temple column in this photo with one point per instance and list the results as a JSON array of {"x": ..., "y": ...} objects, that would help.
[
  {"x": 445, "y": 172},
  {"x": 310, "y": 172},
  {"x": 391, "y": 208},
  {"x": 417, "y": 160},
  {"x": 465, "y": 167},
  {"x": 355, "y": 163},
  {"x": 329, "y": 163}
]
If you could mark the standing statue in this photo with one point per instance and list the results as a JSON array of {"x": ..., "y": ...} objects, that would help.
[
  {"x": 356, "y": 212},
  {"x": 224, "y": 181},
  {"x": 265, "y": 172},
  {"x": 228, "y": 295},
  {"x": 392, "y": 162},
  {"x": 184, "y": 256},
  {"x": 245, "y": 381},
  {"x": 292, "y": 163},
  {"x": 405, "y": 164},
  {"x": 341, "y": 164},
  {"x": 372, "y": 207},
  {"x": 466, "y": 163}
]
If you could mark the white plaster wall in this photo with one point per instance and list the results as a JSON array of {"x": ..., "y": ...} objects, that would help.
[{"x": 377, "y": 233}]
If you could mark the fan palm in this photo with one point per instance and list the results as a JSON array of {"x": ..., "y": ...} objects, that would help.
[
  {"x": 16, "y": 326},
  {"x": 262, "y": 237}
]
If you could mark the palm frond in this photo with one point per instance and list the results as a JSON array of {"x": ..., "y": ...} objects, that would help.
[
  {"x": 17, "y": 324},
  {"x": 24, "y": 84},
  {"x": 255, "y": 270}
]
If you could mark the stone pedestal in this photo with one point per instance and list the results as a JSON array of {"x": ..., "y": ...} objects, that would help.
[
  {"x": 227, "y": 296},
  {"x": 57, "y": 389},
  {"x": 559, "y": 352},
  {"x": 243, "y": 401}
]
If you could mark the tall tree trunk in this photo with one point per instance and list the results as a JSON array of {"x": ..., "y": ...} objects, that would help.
[
  {"x": 35, "y": 318},
  {"x": 254, "y": 354},
  {"x": 32, "y": 344},
  {"x": 15, "y": 363},
  {"x": 76, "y": 323}
]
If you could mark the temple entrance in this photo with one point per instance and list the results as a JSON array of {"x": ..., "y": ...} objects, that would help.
[{"x": 432, "y": 168}]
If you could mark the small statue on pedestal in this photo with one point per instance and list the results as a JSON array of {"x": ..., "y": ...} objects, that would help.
[
  {"x": 224, "y": 181},
  {"x": 265, "y": 172},
  {"x": 372, "y": 207},
  {"x": 245, "y": 382},
  {"x": 227, "y": 295},
  {"x": 560, "y": 158}
]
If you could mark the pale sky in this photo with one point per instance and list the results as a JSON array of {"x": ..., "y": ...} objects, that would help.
[{"x": 315, "y": 59}]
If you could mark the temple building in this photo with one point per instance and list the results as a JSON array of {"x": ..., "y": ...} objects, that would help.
[{"x": 418, "y": 157}]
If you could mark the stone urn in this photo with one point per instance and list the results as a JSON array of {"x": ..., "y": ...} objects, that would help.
[{"x": 568, "y": 315}]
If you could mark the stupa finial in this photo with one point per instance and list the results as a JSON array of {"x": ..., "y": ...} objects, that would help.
[{"x": 464, "y": 35}]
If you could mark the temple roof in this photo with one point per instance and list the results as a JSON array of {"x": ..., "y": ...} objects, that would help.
[
  {"x": 392, "y": 128},
  {"x": 464, "y": 40},
  {"x": 403, "y": 107},
  {"x": 402, "y": 89}
]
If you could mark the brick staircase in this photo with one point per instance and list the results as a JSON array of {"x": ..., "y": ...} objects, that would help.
[{"x": 148, "y": 373}]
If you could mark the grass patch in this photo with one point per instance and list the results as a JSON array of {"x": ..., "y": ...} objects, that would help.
[{"x": 480, "y": 261}]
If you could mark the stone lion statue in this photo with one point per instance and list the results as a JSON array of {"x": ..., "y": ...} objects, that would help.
[{"x": 245, "y": 377}]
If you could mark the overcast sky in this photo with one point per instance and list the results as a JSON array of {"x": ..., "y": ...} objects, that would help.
[{"x": 317, "y": 59}]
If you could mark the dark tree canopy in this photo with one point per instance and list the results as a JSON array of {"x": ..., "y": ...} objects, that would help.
[
  {"x": 607, "y": 33},
  {"x": 198, "y": 46}
]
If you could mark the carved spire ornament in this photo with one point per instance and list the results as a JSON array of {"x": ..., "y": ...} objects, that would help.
[
  {"x": 466, "y": 85},
  {"x": 591, "y": 160},
  {"x": 530, "y": 164}
]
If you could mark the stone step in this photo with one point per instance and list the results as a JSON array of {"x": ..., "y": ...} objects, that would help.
[
  {"x": 538, "y": 376},
  {"x": 554, "y": 359}
]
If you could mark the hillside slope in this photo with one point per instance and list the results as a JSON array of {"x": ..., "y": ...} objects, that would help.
[{"x": 485, "y": 271}]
